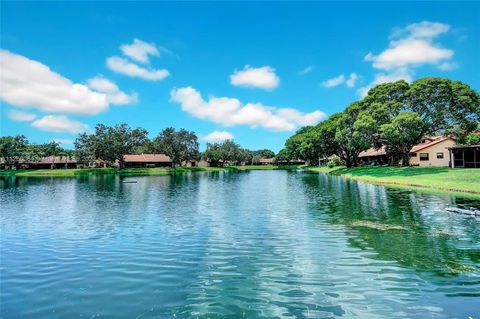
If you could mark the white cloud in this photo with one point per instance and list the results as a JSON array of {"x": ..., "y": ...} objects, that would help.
[
  {"x": 307, "y": 70},
  {"x": 139, "y": 50},
  {"x": 409, "y": 52},
  {"x": 28, "y": 83},
  {"x": 334, "y": 81},
  {"x": 111, "y": 90},
  {"x": 352, "y": 80},
  {"x": 231, "y": 112},
  {"x": 63, "y": 141},
  {"x": 123, "y": 66},
  {"x": 19, "y": 116},
  {"x": 218, "y": 136},
  {"x": 59, "y": 123},
  {"x": 262, "y": 78},
  {"x": 412, "y": 46},
  {"x": 448, "y": 66},
  {"x": 409, "y": 48}
]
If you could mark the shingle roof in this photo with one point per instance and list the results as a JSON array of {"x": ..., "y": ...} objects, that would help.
[
  {"x": 373, "y": 152},
  {"x": 420, "y": 147},
  {"x": 53, "y": 160},
  {"x": 146, "y": 158}
]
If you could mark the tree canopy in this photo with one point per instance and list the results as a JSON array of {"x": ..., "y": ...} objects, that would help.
[{"x": 395, "y": 115}]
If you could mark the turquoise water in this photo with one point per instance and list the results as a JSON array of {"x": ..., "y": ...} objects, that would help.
[{"x": 258, "y": 244}]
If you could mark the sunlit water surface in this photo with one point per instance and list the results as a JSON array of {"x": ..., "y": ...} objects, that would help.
[{"x": 259, "y": 244}]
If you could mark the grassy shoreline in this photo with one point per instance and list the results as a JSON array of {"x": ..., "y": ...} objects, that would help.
[
  {"x": 438, "y": 178},
  {"x": 432, "y": 178},
  {"x": 133, "y": 171}
]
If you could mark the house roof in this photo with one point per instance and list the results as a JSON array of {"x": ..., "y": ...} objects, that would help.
[
  {"x": 430, "y": 142},
  {"x": 53, "y": 160},
  {"x": 423, "y": 146},
  {"x": 373, "y": 152},
  {"x": 266, "y": 160},
  {"x": 146, "y": 158},
  {"x": 463, "y": 146}
]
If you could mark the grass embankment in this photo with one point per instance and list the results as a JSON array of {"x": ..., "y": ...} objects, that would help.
[
  {"x": 443, "y": 178},
  {"x": 131, "y": 171}
]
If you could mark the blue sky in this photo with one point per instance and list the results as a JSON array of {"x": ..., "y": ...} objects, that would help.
[{"x": 254, "y": 71}]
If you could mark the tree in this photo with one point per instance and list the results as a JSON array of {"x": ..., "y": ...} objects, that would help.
[
  {"x": 179, "y": 145},
  {"x": 349, "y": 140},
  {"x": 264, "y": 153},
  {"x": 401, "y": 134},
  {"x": 221, "y": 153},
  {"x": 109, "y": 143},
  {"x": 12, "y": 148},
  {"x": 446, "y": 106}
]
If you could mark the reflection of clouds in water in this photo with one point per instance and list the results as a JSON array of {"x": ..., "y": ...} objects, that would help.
[{"x": 253, "y": 243}]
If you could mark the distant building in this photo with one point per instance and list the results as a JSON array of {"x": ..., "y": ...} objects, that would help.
[
  {"x": 147, "y": 160},
  {"x": 152, "y": 160},
  {"x": 50, "y": 162},
  {"x": 266, "y": 161}
]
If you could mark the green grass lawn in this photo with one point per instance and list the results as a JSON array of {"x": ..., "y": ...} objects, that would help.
[
  {"x": 458, "y": 179},
  {"x": 130, "y": 171}
]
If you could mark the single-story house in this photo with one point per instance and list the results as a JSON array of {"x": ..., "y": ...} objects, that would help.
[
  {"x": 51, "y": 162},
  {"x": 375, "y": 156},
  {"x": 147, "y": 160},
  {"x": 266, "y": 161},
  {"x": 432, "y": 151},
  {"x": 465, "y": 156}
]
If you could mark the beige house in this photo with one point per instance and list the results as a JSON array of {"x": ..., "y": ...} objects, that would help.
[{"x": 433, "y": 151}]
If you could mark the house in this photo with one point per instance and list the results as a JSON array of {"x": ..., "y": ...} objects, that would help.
[
  {"x": 147, "y": 160},
  {"x": 465, "y": 156},
  {"x": 51, "y": 162},
  {"x": 432, "y": 151},
  {"x": 266, "y": 161},
  {"x": 375, "y": 156}
]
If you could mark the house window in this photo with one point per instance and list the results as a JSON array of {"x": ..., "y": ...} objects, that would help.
[
  {"x": 440, "y": 155},
  {"x": 424, "y": 156},
  {"x": 413, "y": 154}
]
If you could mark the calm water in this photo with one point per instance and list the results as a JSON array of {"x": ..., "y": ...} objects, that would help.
[{"x": 259, "y": 244}]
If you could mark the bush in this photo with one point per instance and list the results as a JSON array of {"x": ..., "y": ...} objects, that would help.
[{"x": 334, "y": 161}]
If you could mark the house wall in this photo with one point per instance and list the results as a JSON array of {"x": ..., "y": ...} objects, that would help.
[{"x": 432, "y": 155}]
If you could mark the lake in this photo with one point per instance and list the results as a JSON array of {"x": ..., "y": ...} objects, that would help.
[{"x": 255, "y": 244}]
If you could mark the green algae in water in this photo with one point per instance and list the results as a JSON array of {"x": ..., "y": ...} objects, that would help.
[
  {"x": 375, "y": 225},
  {"x": 456, "y": 268}
]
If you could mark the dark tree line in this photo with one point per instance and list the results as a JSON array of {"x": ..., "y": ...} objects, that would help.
[{"x": 395, "y": 115}]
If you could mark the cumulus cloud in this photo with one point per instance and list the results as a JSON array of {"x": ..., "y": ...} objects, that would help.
[
  {"x": 59, "y": 123},
  {"x": 218, "y": 136},
  {"x": 351, "y": 80},
  {"x": 409, "y": 48},
  {"x": 140, "y": 50},
  {"x": 28, "y": 83},
  {"x": 334, "y": 81},
  {"x": 262, "y": 78},
  {"x": 123, "y": 66},
  {"x": 111, "y": 90},
  {"x": 19, "y": 116},
  {"x": 63, "y": 141},
  {"x": 231, "y": 112},
  {"x": 341, "y": 79}
]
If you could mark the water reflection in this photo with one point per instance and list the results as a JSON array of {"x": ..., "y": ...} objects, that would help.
[{"x": 223, "y": 244}]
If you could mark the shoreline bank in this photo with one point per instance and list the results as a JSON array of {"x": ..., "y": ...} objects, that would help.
[{"x": 431, "y": 178}]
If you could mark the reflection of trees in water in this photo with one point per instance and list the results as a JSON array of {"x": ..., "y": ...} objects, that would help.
[{"x": 430, "y": 240}]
